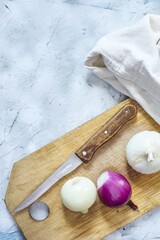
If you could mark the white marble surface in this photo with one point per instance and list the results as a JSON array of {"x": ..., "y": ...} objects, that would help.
[{"x": 45, "y": 91}]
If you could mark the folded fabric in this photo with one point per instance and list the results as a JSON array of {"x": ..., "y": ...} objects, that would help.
[{"x": 129, "y": 60}]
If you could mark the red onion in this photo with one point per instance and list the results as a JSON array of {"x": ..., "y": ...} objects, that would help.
[{"x": 114, "y": 190}]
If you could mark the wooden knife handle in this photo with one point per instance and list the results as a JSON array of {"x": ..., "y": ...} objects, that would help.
[{"x": 108, "y": 130}]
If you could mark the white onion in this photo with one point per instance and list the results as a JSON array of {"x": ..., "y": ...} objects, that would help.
[
  {"x": 143, "y": 152},
  {"x": 78, "y": 194}
]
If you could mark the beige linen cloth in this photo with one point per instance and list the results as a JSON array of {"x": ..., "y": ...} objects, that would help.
[{"x": 129, "y": 60}]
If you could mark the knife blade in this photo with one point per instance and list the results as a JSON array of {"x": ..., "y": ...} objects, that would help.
[{"x": 84, "y": 153}]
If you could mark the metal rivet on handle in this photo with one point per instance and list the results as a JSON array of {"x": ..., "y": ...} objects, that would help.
[
  {"x": 84, "y": 153},
  {"x": 105, "y": 132}
]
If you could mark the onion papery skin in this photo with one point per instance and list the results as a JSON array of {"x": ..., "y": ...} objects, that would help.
[{"x": 115, "y": 190}]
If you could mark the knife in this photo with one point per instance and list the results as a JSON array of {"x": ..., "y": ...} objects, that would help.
[{"x": 84, "y": 154}]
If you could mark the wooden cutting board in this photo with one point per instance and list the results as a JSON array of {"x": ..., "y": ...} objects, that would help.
[{"x": 63, "y": 224}]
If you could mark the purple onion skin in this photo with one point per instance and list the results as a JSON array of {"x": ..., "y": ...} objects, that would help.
[{"x": 115, "y": 191}]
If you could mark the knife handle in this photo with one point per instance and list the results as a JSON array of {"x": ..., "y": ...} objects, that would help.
[{"x": 107, "y": 131}]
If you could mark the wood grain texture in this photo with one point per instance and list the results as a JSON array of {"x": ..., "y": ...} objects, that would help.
[
  {"x": 107, "y": 131},
  {"x": 62, "y": 224}
]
